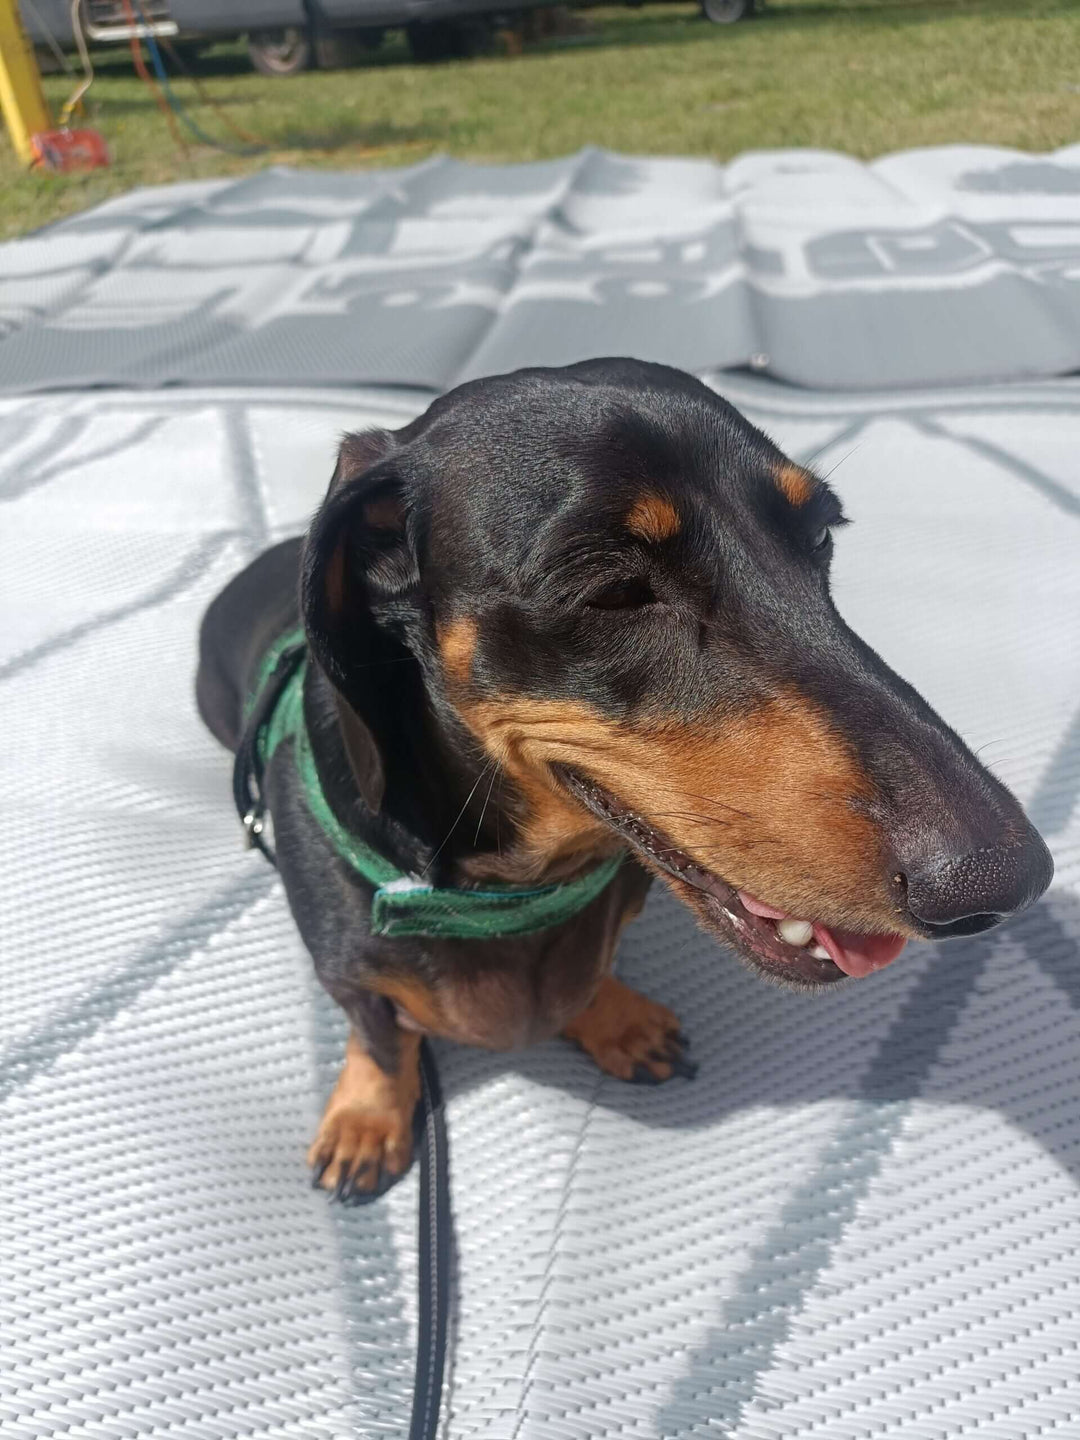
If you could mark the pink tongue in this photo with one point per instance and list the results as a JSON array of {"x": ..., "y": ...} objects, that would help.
[
  {"x": 859, "y": 955},
  {"x": 856, "y": 955}
]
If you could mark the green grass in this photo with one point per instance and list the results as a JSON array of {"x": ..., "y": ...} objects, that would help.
[{"x": 865, "y": 76}]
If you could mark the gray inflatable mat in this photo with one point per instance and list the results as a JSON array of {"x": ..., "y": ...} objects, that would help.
[
  {"x": 863, "y": 1218},
  {"x": 952, "y": 265}
]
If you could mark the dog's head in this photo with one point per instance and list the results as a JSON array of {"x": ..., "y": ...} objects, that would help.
[{"x": 620, "y": 589}]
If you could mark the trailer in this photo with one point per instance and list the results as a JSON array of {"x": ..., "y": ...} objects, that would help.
[{"x": 284, "y": 37}]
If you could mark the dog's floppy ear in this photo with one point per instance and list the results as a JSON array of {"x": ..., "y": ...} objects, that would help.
[{"x": 358, "y": 558}]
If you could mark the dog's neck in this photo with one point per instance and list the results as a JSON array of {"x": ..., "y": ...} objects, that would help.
[{"x": 446, "y": 811}]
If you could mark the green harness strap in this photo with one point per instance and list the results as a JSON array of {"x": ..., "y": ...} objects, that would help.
[{"x": 405, "y": 904}]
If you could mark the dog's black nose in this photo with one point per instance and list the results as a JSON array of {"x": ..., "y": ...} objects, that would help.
[{"x": 963, "y": 894}]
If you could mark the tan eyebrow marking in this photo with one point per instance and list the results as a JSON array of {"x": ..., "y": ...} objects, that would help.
[
  {"x": 653, "y": 518},
  {"x": 457, "y": 645},
  {"x": 796, "y": 483}
]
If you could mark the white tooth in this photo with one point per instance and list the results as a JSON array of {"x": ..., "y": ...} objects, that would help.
[
  {"x": 819, "y": 952},
  {"x": 795, "y": 932}
]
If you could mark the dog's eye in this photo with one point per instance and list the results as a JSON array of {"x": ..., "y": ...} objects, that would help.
[
  {"x": 623, "y": 595},
  {"x": 820, "y": 538}
]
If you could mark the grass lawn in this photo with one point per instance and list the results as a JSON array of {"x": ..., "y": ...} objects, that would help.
[{"x": 865, "y": 76}]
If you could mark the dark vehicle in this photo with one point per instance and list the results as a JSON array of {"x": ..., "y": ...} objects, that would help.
[{"x": 283, "y": 36}]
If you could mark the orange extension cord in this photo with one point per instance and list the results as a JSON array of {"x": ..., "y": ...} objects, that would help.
[{"x": 148, "y": 79}]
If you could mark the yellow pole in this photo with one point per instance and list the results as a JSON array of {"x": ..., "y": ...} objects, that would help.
[{"x": 21, "y": 98}]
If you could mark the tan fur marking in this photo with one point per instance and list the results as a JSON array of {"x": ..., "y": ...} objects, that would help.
[
  {"x": 653, "y": 518},
  {"x": 621, "y": 1029},
  {"x": 421, "y": 1002},
  {"x": 770, "y": 800},
  {"x": 457, "y": 646},
  {"x": 367, "y": 1123},
  {"x": 796, "y": 483},
  {"x": 489, "y": 1009}
]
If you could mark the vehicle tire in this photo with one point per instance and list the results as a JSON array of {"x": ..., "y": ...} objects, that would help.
[
  {"x": 280, "y": 52},
  {"x": 726, "y": 12}
]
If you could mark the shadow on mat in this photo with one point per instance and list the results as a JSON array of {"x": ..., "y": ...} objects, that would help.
[{"x": 904, "y": 1063}]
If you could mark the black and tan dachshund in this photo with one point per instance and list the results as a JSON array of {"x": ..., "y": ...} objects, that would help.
[{"x": 570, "y": 612}]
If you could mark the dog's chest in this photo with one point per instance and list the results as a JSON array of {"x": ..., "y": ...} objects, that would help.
[
  {"x": 520, "y": 991},
  {"x": 507, "y": 1006}
]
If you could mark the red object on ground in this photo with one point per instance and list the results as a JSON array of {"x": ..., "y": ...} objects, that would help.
[{"x": 69, "y": 150}]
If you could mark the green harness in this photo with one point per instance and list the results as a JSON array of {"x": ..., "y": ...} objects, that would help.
[{"x": 402, "y": 904}]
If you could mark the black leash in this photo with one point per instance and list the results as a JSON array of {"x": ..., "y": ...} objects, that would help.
[
  {"x": 434, "y": 1244},
  {"x": 434, "y": 1216}
]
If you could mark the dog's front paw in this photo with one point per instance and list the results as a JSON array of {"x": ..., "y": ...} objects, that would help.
[
  {"x": 631, "y": 1036},
  {"x": 364, "y": 1141},
  {"x": 358, "y": 1153}
]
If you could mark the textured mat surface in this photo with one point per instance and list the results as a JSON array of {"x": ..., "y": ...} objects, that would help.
[
  {"x": 949, "y": 265},
  {"x": 862, "y": 1220}
]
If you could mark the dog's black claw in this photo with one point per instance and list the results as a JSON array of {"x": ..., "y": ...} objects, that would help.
[
  {"x": 357, "y": 1192},
  {"x": 343, "y": 1182},
  {"x": 348, "y": 1190},
  {"x": 681, "y": 1039},
  {"x": 365, "y": 1197},
  {"x": 383, "y": 1180},
  {"x": 642, "y": 1075},
  {"x": 681, "y": 1066},
  {"x": 319, "y": 1171}
]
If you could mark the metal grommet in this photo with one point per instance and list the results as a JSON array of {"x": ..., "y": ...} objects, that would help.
[{"x": 253, "y": 828}]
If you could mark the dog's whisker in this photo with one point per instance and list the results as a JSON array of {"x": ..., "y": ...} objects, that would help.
[
  {"x": 495, "y": 775},
  {"x": 987, "y": 745},
  {"x": 708, "y": 800},
  {"x": 686, "y": 815},
  {"x": 832, "y": 470},
  {"x": 461, "y": 812}
]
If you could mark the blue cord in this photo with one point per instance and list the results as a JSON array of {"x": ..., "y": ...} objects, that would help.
[{"x": 178, "y": 109}]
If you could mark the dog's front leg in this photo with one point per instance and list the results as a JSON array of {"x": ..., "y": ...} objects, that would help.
[
  {"x": 364, "y": 1142},
  {"x": 630, "y": 1036}
]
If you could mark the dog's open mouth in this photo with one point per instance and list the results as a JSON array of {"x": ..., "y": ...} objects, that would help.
[{"x": 781, "y": 945}]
